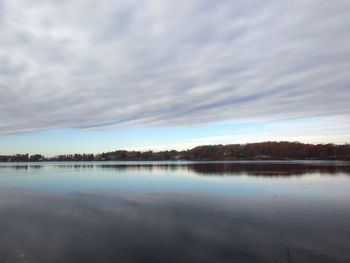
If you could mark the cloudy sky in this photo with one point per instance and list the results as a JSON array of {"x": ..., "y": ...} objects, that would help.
[{"x": 83, "y": 75}]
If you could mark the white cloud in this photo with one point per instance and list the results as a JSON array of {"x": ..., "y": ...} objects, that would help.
[
  {"x": 105, "y": 64},
  {"x": 317, "y": 130}
]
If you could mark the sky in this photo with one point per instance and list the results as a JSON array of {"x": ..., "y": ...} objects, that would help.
[{"x": 95, "y": 76}]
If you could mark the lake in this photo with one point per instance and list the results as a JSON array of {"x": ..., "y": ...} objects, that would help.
[{"x": 175, "y": 212}]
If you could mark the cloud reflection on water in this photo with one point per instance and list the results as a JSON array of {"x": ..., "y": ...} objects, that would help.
[{"x": 169, "y": 227}]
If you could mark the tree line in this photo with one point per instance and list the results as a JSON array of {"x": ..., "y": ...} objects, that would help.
[{"x": 250, "y": 151}]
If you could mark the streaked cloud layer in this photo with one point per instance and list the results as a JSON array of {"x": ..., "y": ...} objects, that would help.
[{"x": 106, "y": 64}]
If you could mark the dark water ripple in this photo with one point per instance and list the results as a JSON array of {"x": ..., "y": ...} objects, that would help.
[{"x": 169, "y": 212}]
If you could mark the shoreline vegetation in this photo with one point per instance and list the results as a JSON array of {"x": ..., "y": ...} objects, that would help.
[{"x": 229, "y": 152}]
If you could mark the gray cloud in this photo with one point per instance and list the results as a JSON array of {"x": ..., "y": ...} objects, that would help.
[{"x": 104, "y": 64}]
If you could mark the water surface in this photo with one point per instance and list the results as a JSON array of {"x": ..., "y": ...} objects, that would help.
[{"x": 175, "y": 212}]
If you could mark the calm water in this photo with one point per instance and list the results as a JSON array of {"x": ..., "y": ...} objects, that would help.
[{"x": 175, "y": 212}]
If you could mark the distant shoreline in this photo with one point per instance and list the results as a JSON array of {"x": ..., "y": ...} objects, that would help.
[{"x": 263, "y": 151}]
